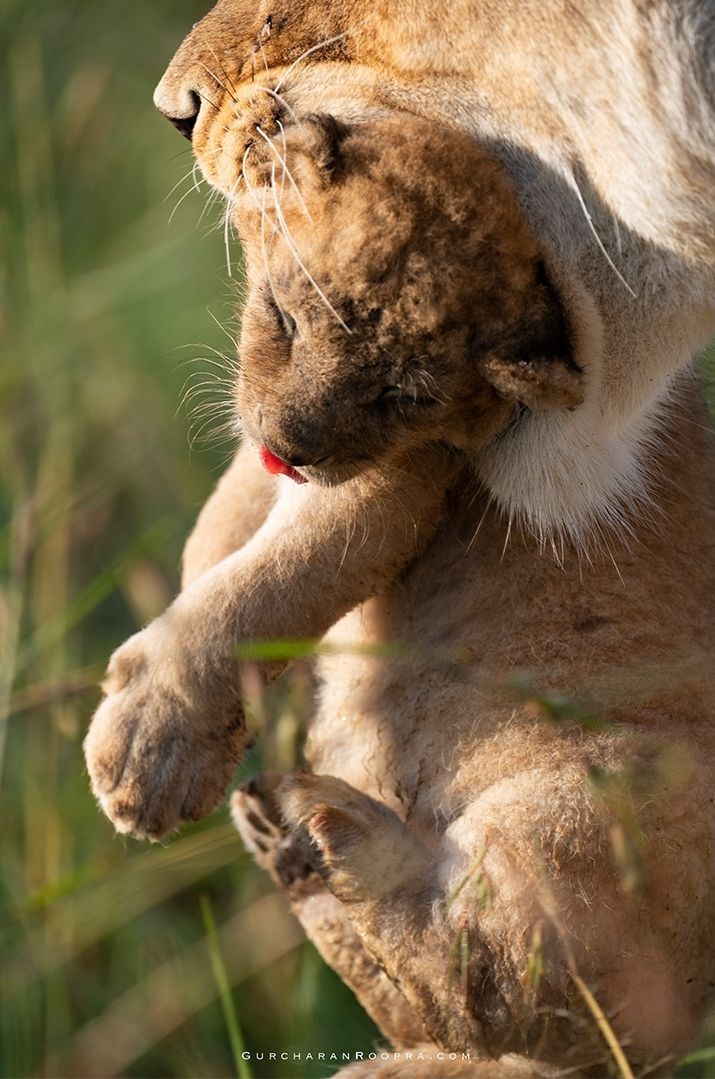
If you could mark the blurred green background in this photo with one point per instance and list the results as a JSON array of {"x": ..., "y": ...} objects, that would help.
[
  {"x": 109, "y": 961},
  {"x": 106, "y": 309}
]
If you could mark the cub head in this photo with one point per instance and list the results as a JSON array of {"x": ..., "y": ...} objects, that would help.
[{"x": 395, "y": 297}]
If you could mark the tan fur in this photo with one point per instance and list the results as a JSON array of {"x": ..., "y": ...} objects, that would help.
[{"x": 472, "y": 854}]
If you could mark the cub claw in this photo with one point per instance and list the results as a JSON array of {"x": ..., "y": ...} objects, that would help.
[{"x": 287, "y": 855}]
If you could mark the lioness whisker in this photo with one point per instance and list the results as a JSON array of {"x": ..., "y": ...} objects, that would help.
[
  {"x": 589, "y": 220},
  {"x": 294, "y": 251},
  {"x": 281, "y": 101},
  {"x": 207, "y": 100},
  {"x": 266, "y": 263},
  {"x": 219, "y": 149},
  {"x": 558, "y": 558},
  {"x": 217, "y": 80},
  {"x": 195, "y": 186},
  {"x": 263, "y": 57},
  {"x": 478, "y": 529},
  {"x": 507, "y": 537},
  {"x": 211, "y": 201},
  {"x": 308, "y": 52},
  {"x": 497, "y": 369},
  {"x": 285, "y": 154},
  {"x": 225, "y": 72},
  {"x": 286, "y": 170},
  {"x": 252, "y": 191},
  {"x": 181, "y": 181}
]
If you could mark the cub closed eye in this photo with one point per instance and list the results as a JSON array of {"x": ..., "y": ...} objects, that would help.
[
  {"x": 406, "y": 396},
  {"x": 389, "y": 393},
  {"x": 289, "y": 324},
  {"x": 285, "y": 321}
]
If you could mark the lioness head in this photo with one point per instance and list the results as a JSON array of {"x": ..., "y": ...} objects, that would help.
[{"x": 396, "y": 295}]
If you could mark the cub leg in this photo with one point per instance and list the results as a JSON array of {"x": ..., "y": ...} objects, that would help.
[
  {"x": 525, "y": 879},
  {"x": 164, "y": 743},
  {"x": 288, "y": 857},
  {"x": 239, "y": 505},
  {"x": 387, "y": 881},
  {"x": 427, "y": 1062}
]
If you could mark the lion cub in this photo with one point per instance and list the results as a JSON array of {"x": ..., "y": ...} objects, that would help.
[
  {"x": 458, "y": 855},
  {"x": 390, "y": 305},
  {"x": 393, "y": 326}
]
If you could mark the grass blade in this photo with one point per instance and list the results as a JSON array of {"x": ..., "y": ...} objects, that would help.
[{"x": 233, "y": 1026}]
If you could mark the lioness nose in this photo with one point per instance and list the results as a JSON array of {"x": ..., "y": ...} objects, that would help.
[{"x": 181, "y": 107}]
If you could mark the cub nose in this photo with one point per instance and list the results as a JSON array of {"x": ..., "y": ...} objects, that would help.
[{"x": 181, "y": 108}]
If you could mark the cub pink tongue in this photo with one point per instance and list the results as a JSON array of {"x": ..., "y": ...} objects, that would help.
[{"x": 276, "y": 467}]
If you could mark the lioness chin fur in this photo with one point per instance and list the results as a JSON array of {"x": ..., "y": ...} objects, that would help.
[{"x": 487, "y": 865}]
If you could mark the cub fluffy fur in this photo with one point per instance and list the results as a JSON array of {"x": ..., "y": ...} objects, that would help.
[
  {"x": 381, "y": 396},
  {"x": 477, "y": 859}
]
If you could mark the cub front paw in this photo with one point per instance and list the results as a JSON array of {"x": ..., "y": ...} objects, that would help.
[{"x": 163, "y": 744}]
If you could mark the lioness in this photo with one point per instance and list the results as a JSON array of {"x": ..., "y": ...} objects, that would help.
[{"x": 421, "y": 355}]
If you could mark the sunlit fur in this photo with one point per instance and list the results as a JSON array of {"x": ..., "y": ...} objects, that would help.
[{"x": 506, "y": 843}]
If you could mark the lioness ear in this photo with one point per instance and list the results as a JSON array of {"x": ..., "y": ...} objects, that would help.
[{"x": 539, "y": 382}]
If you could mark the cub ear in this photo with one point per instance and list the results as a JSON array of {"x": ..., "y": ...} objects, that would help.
[
  {"x": 539, "y": 382},
  {"x": 527, "y": 356},
  {"x": 315, "y": 146}
]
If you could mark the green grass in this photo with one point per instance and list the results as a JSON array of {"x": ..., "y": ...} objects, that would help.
[
  {"x": 108, "y": 965},
  {"x": 117, "y": 958}
]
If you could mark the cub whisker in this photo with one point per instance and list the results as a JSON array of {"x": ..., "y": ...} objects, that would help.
[
  {"x": 227, "y": 224},
  {"x": 234, "y": 341},
  {"x": 429, "y": 386},
  {"x": 193, "y": 393},
  {"x": 222, "y": 361},
  {"x": 217, "y": 433}
]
